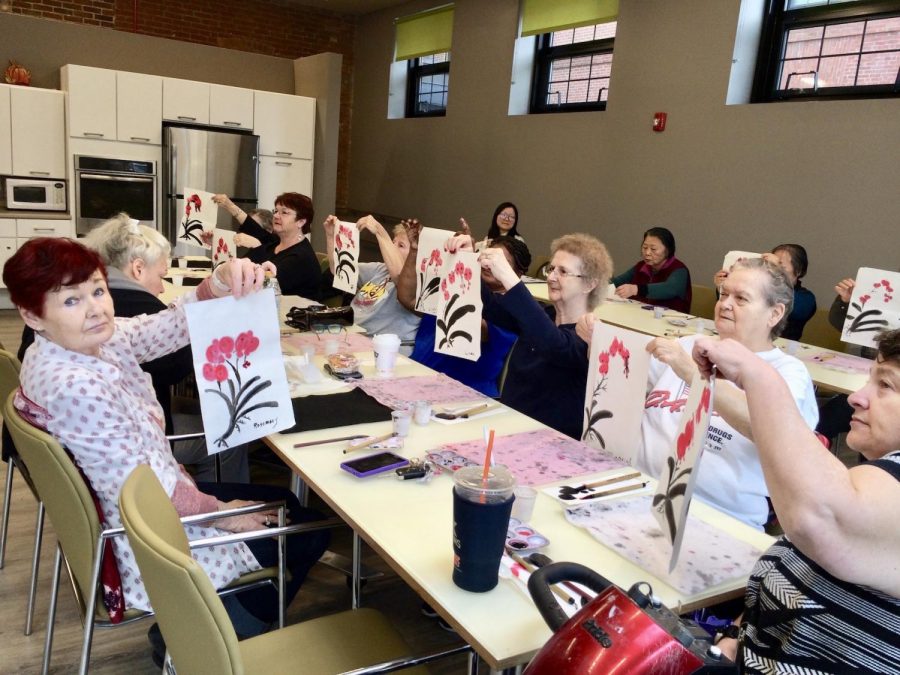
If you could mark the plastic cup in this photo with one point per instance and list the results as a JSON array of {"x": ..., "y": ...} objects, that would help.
[
  {"x": 402, "y": 421},
  {"x": 331, "y": 347},
  {"x": 791, "y": 347},
  {"x": 481, "y": 511},
  {"x": 422, "y": 413},
  {"x": 523, "y": 507},
  {"x": 386, "y": 346},
  {"x": 699, "y": 326},
  {"x": 658, "y": 312},
  {"x": 309, "y": 351}
]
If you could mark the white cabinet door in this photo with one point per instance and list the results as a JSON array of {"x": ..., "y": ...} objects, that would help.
[
  {"x": 5, "y": 132},
  {"x": 92, "y": 101},
  {"x": 185, "y": 101},
  {"x": 230, "y": 107},
  {"x": 38, "y": 132},
  {"x": 8, "y": 228},
  {"x": 278, "y": 175},
  {"x": 139, "y": 107},
  {"x": 7, "y": 249},
  {"x": 286, "y": 124},
  {"x": 28, "y": 228}
]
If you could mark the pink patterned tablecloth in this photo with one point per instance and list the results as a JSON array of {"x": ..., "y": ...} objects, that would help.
[
  {"x": 845, "y": 363},
  {"x": 437, "y": 389},
  {"x": 538, "y": 457},
  {"x": 347, "y": 342}
]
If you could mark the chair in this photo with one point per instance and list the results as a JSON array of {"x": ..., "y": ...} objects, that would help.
[
  {"x": 538, "y": 265},
  {"x": 703, "y": 301},
  {"x": 9, "y": 382},
  {"x": 198, "y": 633}
]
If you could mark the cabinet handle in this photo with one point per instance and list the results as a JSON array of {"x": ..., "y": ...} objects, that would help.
[
  {"x": 93, "y": 134},
  {"x": 187, "y": 119},
  {"x": 283, "y": 154},
  {"x": 39, "y": 173},
  {"x": 231, "y": 124},
  {"x": 44, "y": 229},
  {"x": 284, "y": 164},
  {"x": 140, "y": 138}
]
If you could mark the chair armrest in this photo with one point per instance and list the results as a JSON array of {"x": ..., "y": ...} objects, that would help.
[
  {"x": 236, "y": 511},
  {"x": 407, "y": 662},
  {"x": 185, "y": 437},
  {"x": 266, "y": 533}
]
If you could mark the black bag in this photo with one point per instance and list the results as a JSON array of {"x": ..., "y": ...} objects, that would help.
[{"x": 304, "y": 318}]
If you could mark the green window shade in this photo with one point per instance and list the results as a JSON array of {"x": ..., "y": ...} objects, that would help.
[
  {"x": 546, "y": 16},
  {"x": 425, "y": 33}
]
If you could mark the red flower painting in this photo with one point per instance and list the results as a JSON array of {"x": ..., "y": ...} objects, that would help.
[
  {"x": 223, "y": 253},
  {"x": 345, "y": 264},
  {"x": 429, "y": 276},
  {"x": 595, "y": 411},
  {"x": 457, "y": 282},
  {"x": 870, "y": 320},
  {"x": 225, "y": 358},
  {"x": 191, "y": 225}
]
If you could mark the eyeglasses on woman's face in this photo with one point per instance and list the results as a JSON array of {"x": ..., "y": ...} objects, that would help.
[
  {"x": 562, "y": 272},
  {"x": 281, "y": 211},
  {"x": 506, "y": 215}
]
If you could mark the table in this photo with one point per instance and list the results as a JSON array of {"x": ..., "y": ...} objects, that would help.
[
  {"x": 409, "y": 524},
  {"x": 630, "y": 315}
]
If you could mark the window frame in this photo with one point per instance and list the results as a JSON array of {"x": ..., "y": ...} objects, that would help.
[
  {"x": 544, "y": 56},
  {"x": 778, "y": 22},
  {"x": 414, "y": 74}
]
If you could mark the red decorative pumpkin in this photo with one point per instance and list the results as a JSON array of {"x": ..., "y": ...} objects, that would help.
[{"x": 16, "y": 73}]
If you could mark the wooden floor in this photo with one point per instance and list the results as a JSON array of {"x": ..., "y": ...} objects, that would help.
[{"x": 125, "y": 649}]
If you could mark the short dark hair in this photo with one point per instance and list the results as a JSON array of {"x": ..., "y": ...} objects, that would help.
[
  {"x": 799, "y": 259},
  {"x": 665, "y": 236},
  {"x": 888, "y": 343},
  {"x": 517, "y": 250},
  {"x": 45, "y": 265},
  {"x": 494, "y": 230},
  {"x": 301, "y": 204}
]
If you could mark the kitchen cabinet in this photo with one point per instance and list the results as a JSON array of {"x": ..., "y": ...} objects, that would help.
[
  {"x": 185, "y": 101},
  {"x": 139, "y": 107},
  {"x": 8, "y": 227},
  {"x": 92, "y": 101},
  {"x": 29, "y": 228},
  {"x": 230, "y": 107},
  {"x": 7, "y": 248},
  {"x": 38, "y": 132},
  {"x": 5, "y": 132},
  {"x": 286, "y": 124},
  {"x": 278, "y": 175}
]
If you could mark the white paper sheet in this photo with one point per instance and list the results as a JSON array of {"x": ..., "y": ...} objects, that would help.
[
  {"x": 200, "y": 214},
  {"x": 874, "y": 306},
  {"x": 223, "y": 248},
  {"x": 346, "y": 256},
  {"x": 240, "y": 372},
  {"x": 431, "y": 259},
  {"x": 676, "y": 483},
  {"x": 616, "y": 387},
  {"x": 733, "y": 256},
  {"x": 458, "y": 330}
]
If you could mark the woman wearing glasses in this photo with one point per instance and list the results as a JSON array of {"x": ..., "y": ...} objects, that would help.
[
  {"x": 505, "y": 223},
  {"x": 659, "y": 278},
  {"x": 547, "y": 372},
  {"x": 287, "y": 246}
]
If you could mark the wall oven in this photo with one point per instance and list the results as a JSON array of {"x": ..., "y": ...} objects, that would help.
[{"x": 105, "y": 187}]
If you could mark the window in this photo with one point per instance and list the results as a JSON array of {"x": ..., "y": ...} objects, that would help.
[
  {"x": 428, "y": 82},
  {"x": 572, "y": 69},
  {"x": 829, "y": 49}
]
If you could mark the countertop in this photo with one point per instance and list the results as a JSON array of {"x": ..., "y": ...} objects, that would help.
[{"x": 35, "y": 215}]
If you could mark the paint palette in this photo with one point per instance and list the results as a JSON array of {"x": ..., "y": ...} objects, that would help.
[
  {"x": 447, "y": 460},
  {"x": 521, "y": 537},
  {"x": 681, "y": 323}
]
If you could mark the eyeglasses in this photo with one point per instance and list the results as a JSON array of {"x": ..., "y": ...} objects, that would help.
[
  {"x": 562, "y": 272},
  {"x": 284, "y": 212},
  {"x": 506, "y": 216},
  {"x": 333, "y": 328}
]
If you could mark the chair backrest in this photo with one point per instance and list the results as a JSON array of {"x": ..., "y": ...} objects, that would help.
[
  {"x": 538, "y": 263},
  {"x": 62, "y": 490},
  {"x": 703, "y": 301},
  {"x": 9, "y": 373},
  {"x": 197, "y": 630},
  {"x": 819, "y": 332}
]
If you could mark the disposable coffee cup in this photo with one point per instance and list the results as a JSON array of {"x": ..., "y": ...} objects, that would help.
[
  {"x": 523, "y": 507},
  {"x": 658, "y": 312},
  {"x": 386, "y": 346},
  {"x": 481, "y": 510}
]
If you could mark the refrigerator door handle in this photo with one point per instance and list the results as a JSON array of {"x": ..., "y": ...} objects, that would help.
[{"x": 173, "y": 162}]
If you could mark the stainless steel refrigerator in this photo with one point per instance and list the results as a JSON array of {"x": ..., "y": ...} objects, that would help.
[{"x": 212, "y": 160}]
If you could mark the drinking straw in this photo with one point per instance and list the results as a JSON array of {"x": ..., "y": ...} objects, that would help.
[{"x": 487, "y": 465}]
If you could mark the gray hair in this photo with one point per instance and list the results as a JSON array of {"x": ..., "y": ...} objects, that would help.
[
  {"x": 119, "y": 241},
  {"x": 777, "y": 289},
  {"x": 596, "y": 263},
  {"x": 263, "y": 217}
]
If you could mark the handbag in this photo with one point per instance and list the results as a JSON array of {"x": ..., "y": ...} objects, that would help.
[{"x": 304, "y": 318}]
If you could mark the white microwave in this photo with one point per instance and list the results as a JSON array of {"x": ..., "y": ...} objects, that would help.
[{"x": 35, "y": 194}]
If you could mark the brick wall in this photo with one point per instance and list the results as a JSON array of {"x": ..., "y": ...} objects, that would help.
[{"x": 270, "y": 27}]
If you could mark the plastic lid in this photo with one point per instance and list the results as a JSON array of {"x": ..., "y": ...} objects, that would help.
[{"x": 498, "y": 486}]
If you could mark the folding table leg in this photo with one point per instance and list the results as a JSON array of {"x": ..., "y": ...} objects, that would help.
[{"x": 356, "y": 577}]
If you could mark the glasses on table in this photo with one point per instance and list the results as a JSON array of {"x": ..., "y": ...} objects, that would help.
[
  {"x": 562, "y": 272},
  {"x": 332, "y": 328}
]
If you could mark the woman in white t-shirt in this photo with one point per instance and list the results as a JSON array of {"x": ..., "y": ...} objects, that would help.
[{"x": 753, "y": 307}]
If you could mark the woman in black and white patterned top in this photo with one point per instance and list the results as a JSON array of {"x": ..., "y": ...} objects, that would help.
[{"x": 825, "y": 598}]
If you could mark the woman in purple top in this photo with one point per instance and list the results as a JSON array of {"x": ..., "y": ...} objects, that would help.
[{"x": 659, "y": 278}]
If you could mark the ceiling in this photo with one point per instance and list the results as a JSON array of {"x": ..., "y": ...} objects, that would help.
[{"x": 358, "y": 7}]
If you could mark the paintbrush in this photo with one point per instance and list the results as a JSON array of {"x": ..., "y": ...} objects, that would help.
[{"x": 369, "y": 443}]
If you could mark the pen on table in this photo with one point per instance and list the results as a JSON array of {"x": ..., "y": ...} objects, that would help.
[
  {"x": 325, "y": 441},
  {"x": 615, "y": 491},
  {"x": 560, "y": 593},
  {"x": 369, "y": 443}
]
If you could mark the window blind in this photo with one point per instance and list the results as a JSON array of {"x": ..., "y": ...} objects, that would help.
[
  {"x": 546, "y": 16},
  {"x": 424, "y": 33}
]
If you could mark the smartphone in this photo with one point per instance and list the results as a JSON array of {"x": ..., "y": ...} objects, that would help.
[{"x": 372, "y": 464}]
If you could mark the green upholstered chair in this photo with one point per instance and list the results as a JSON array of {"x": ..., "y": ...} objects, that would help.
[
  {"x": 198, "y": 633},
  {"x": 703, "y": 301}
]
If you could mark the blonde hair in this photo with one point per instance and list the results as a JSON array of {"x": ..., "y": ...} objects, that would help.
[
  {"x": 596, "y": 263},
  {"x": 119, "y": 241}
]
